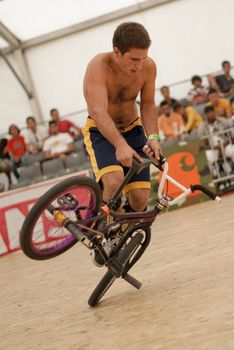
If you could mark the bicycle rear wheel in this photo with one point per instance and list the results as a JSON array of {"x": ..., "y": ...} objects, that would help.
[
  {"x": 109, "y": 278},
  {"x": 41, "y": 236}
]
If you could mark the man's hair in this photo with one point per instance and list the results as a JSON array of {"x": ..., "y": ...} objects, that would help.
[
  {"x": 232, "y": 100},
  {"x": 30, "y": 118},
  {"x": 53, "y": 110},
  {"x": 212, "y": 91},
  {"x": 13, "y": 126},
  {"x": 208, "y": 109},
  {"x": 131, "y": 35},
  {"x": 225, "y": 62},
  {"x": 164, "y": 87},
  {"x": 164, "y": 103},
  {"x": 176, "y": 106},
  {"x": 52, "y": 122},
  {"x": 195, "y": 78}
]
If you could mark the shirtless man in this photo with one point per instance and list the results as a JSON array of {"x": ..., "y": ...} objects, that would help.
[{"x": 113, "y": 134}]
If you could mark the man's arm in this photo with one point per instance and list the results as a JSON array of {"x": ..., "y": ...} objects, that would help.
[
  {"x": 228, "y": 110},
  {"x": 70, "y": 148},
  {"x": 148, "y": 108},
  {"x": 96, "y": 95}
]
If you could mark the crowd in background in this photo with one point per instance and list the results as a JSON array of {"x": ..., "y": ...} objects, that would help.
[
  {"x": 205, "y": 110},
  {"x": 37, "y": 144}
]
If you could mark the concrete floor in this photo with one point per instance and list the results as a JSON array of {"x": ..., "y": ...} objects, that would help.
[{"x": 186, "y": 301}]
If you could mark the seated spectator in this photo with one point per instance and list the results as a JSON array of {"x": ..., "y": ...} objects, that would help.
[
  {"x": 191, "y": 117},
  {"x": 5, "y": 163},
  {"x": 232, "y": 106},
  {"x": 58, "y": 143},
  {"x": 165, "y": 91},
  {"x": 232, "y": 118},
  {"x": 35, "y": 136},
  {"x": 224, "y": 82},
  {"x": 65, "y": 125},
  {"x": 198, "y": 94},
  {"x": 218, "y": 144},
  {"x": 171, "y": 125},
  {"x": 221, "y": 106},
  {"x": 16, "y": 147}
]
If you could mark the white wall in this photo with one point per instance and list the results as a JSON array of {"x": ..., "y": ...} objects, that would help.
[
  {"x": 14, "y": 106},
  {"x": 189, "y": 37}
]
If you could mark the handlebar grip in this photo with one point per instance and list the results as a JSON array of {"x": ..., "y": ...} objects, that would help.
[
  {"x": 160, "y": 163},
  {"x": 205, "y": 190}
]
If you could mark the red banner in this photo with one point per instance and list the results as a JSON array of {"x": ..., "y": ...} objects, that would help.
[{"x": 15, "y": 206}]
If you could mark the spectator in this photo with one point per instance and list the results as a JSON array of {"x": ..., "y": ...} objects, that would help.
[
  {"x": 65, "y": 125},
  {"x": 5, "y": 163},
  {"x": 232, "y": 118},
  {"x": 221, "y": 105},
  {"x": 58, "y": 144},
  {"x": 198, "y": 94},
  {"x": 191, "y": 117},
  {"x": 16, "y": 147},
  {"x": 224, "y": 82},
  {"x": 232, "y": 106},
  {"x": 35, "y": 136},
  {"x": 171, "y": 125},
  {"x": 165, "y": 91},
  {"x": 219, "y": 144}
]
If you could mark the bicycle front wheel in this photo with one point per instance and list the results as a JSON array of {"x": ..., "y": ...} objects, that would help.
[
  {"x": 108, "y": 279},
  {"x": 42, "y": 237}
]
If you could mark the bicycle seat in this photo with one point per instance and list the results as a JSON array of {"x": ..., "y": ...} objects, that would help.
[{"x": 139, "y": 166}]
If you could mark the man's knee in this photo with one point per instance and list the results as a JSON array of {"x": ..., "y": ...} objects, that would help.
[
  {"x": 111, "y": 182},
  {"x": 138, "y": 199}
]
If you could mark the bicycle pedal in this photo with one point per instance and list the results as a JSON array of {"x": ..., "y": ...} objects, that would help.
[
  {"x": 67, "y": 201},
  {"x": 133, "y": 281}
]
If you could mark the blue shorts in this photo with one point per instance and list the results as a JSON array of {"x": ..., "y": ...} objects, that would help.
[{"x": 102, "y": 153}]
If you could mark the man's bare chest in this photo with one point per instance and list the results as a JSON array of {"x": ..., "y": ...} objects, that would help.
[{"x": 123, "y": 91}]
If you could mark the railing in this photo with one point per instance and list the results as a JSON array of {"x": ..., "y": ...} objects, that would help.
[
  {"x": 179, "y": 90},
  {"x": 222, "y": 168}
]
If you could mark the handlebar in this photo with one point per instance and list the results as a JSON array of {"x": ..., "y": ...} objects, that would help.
[
  {"x": 205, "y": 190},
  {"x": 185, "y": 191},
  {"x": 163, "y": 166}
]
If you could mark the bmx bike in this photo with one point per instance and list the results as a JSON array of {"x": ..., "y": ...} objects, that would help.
[{"x": 72, "y": 211}]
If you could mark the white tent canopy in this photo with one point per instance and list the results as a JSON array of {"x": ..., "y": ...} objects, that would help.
[
  {"x": 28, "y": 19},
  {"x": 47, "y": 44}
]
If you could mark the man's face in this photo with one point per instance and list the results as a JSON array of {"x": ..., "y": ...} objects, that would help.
[
  {"x": 14, "y": 131},
  {"x": 165, "y": 92},
  {"x": 213, "y": 98},
  {"x": 197, "y": 83},
  {"x": 226, "y": 68},
  {"x": 53, "y": 130},
  {"x": 131, "y": 62},
  {"x": 211, "y": 117},
  {"x": 166, "y": 109},
  {"x": 181, "y": 110},
  {"x": 31, "y": 124},
  {"x": 55, "y": 115}
]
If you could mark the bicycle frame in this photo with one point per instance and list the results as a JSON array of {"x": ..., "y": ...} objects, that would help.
[
  {"x": 136, "y": 217},
  {"x": 137, "y": 167}
]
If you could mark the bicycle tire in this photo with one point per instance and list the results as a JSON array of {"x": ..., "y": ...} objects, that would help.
[
  {"x": 144, "y": 244},
  {"x": 109, "y": 278},
  {"x": 38, "y": 210}
]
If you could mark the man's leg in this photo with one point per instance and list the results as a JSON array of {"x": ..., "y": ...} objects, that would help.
[
  {"x": 111, "y": 182},
  {"x": 138, "y": 198}
]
